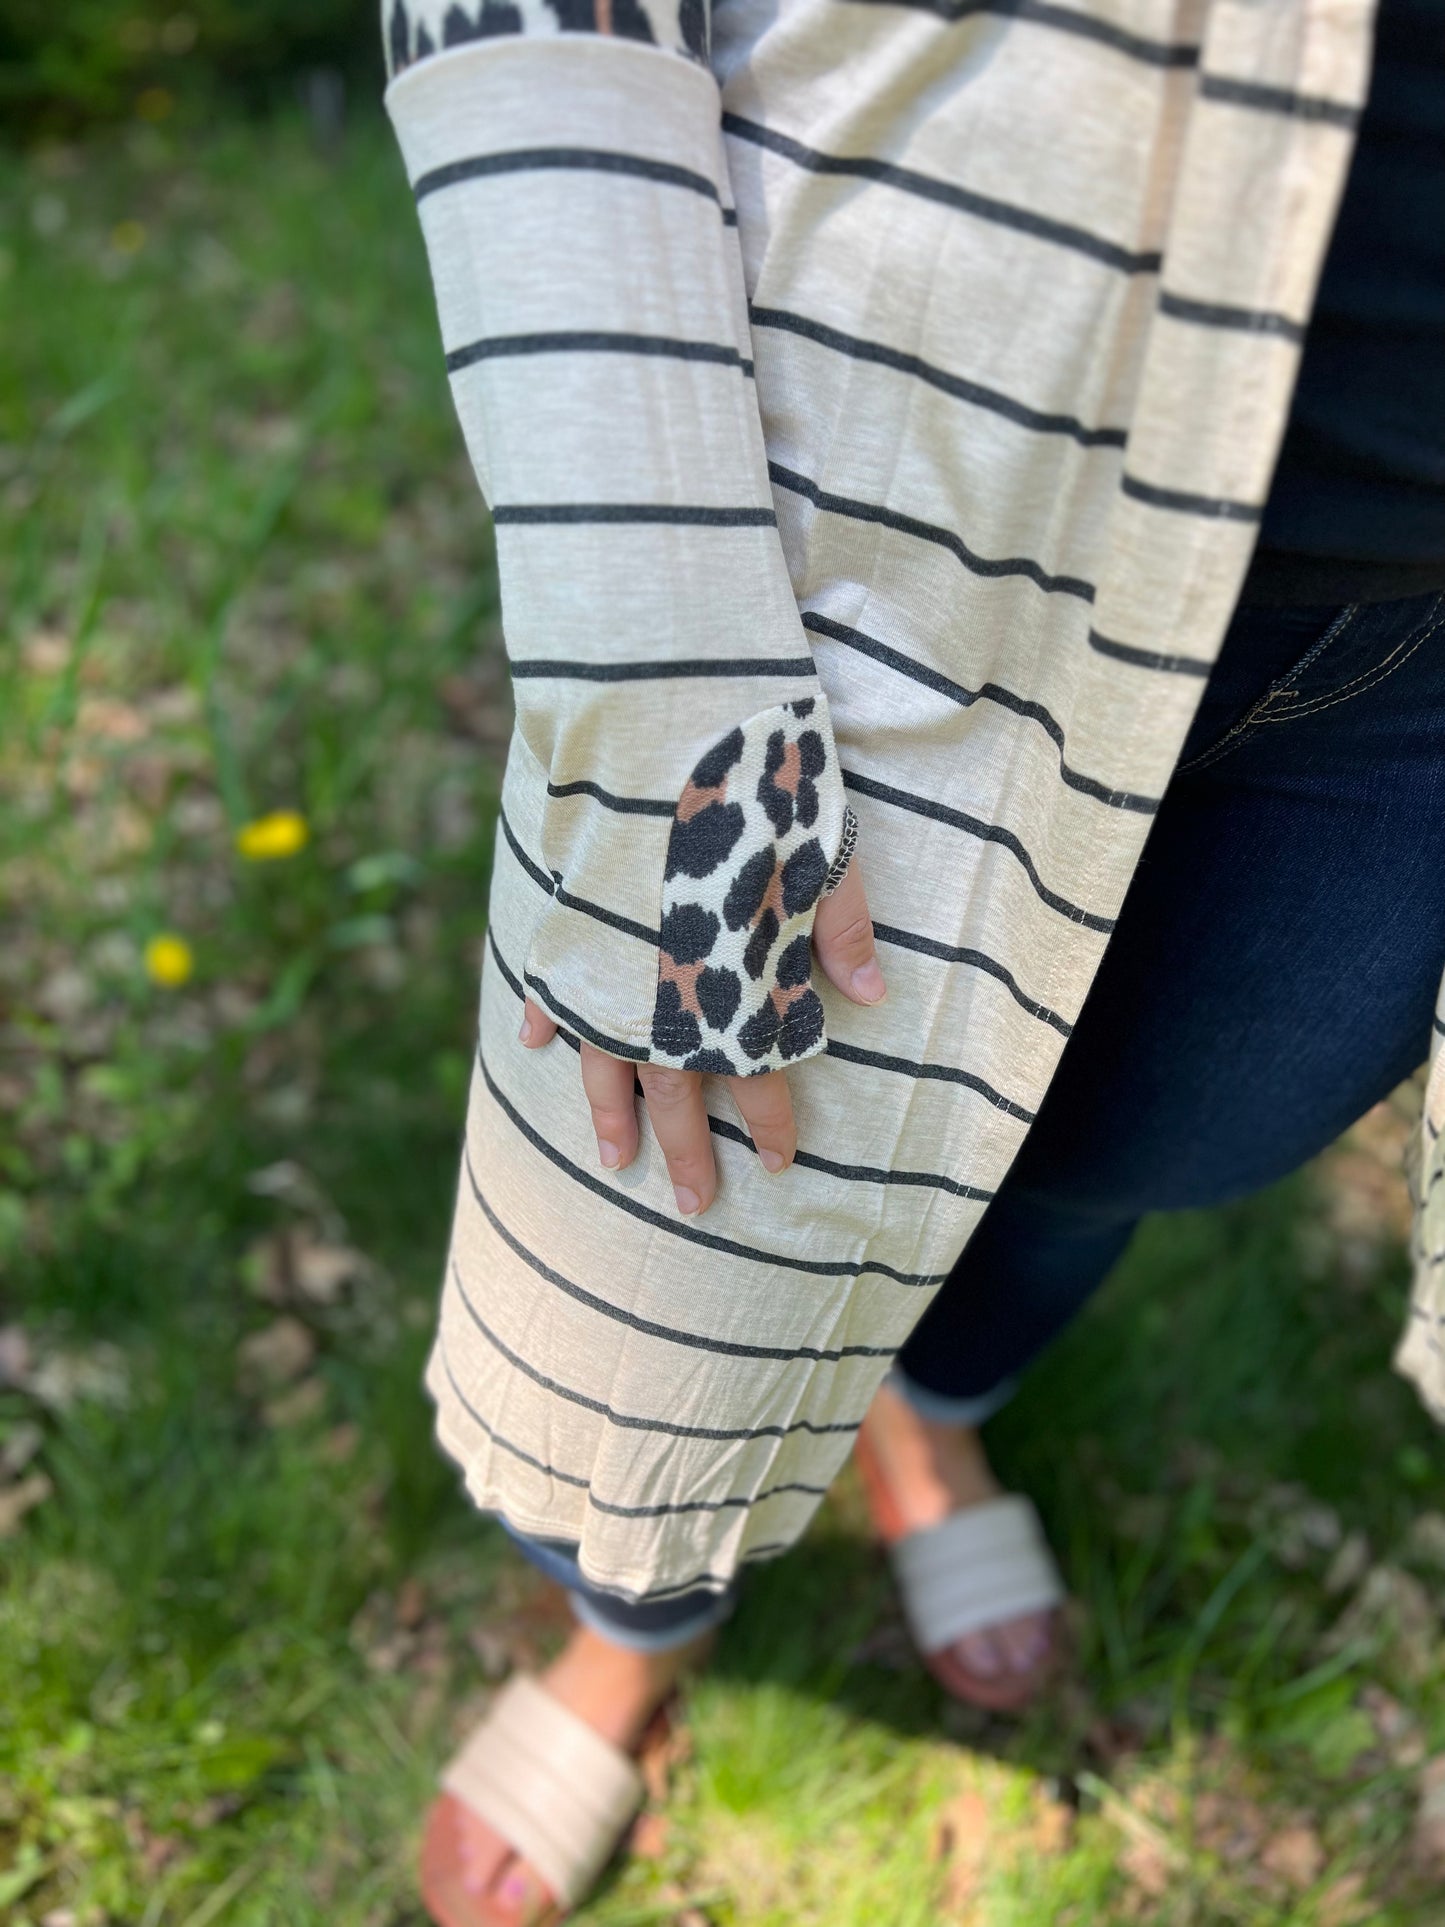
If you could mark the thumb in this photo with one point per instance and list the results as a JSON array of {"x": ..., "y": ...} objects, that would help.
[{"x": 843, "y": 939}]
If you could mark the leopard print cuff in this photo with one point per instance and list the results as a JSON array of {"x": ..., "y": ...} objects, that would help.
[
  {"x": 746, "y": 864},
  {"x": 416, "y": 29}
]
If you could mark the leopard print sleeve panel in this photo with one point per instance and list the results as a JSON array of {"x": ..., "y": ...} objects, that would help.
[
  {"x": 754, "y": 837},
  {"x": 416, "y": 29}
]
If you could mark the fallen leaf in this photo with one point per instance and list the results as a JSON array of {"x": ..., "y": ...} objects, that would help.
[
  {"x": 17, "y": 1500},
  {"x": 1393, "y": 1610},
  {"x": 1148, "y": 1866},
  {"x": 962, "y": 1834},
  {"x": 1343, "y": 1902},
  {"x": 46, "y": 652},
  {"x": 1053, "y": 1828},
  {"x": 492, "y": 1652},
  {"x": 100, "y": 1374},
  {"x": 320, "y": 1271},
  {"x": 1349, "y": 1565},
  {"x": 20, "y": 1445},
  {"x": 1398, "y": 1730},
  {"x": 340, "y": 1443},
  {"x": 1295, "y": 1855},
  {"x": 1426, "y": 1540},
  {"x": 276, "y": 1355},
  {"x": 294, "y": 1407}
]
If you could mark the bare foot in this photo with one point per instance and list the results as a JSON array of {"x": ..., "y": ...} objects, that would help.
[
  {"x": 617, "y": 1692},
  {"x": 932, "y": 1470}
]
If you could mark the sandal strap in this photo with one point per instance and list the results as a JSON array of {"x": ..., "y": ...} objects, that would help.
[
  {"x": 978, "y": 1567},
  {"x": 558, "y": 1793}
]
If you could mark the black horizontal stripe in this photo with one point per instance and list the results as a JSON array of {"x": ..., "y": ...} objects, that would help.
[
  {"x": 927, "y": 532},
  {"x": 674, "y": 1335},
  {"x": 681, "y": 669},
  {"x": 534, "y": 870},
  {"x": 976, "y": 960},
  {"x": 747, "y": 1500},
  {"x": 809, "y": 1160},
  {"x": 859, "y": 1173},
  {"x": 730, "y": 217},
  {"x": 710, "y": 1581},
  {"x": 625, "y": 1420},
  {"x": 1215, "y": 314},
  {"x": 1148, "y": 658},
  {"x": 1040, "y": 13},
  {"x": 1278, "y": 100},
  {"x": 612, "y": 918},
  {"x": 1437, "y": 1024},
  {"x": 987, "y": 833},
  {"x": 661, "y": 1510},
  {"x": 935, "y": 1073},
  {"x": 594, "y": 341},
  {"x": 589, "y": 160},
  {"x": 859, "y": 349},
  {"x": 502, "y": 1444},
  {"x": 624, "y": 805},
  {"x": 614, "y": 1046},
  {"x": 1183, "y": 503},
  {"x": 986, "y": 692},
  {"x": 686, "y": 515},
  {"x": 928, "y": 187},
  {"x": 693, "y": 1234}
]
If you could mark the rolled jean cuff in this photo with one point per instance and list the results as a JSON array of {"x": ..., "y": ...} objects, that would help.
[
  {"x": 643, "y": 1625},
  {"x": 943, "y": 1408},
  {"x": 589, "y": 1611}
]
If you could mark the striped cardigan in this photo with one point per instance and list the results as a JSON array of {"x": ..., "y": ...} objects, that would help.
[{"x": 875, "y": 400}]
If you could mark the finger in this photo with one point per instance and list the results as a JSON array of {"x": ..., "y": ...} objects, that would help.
[
  {"x": 767, "y": 1111},
  {"x": 537, "y": 1027},
  {"x": 843, "y": 939},
  {"x": 608, "y": 1083},
  {"x": 679, "y": 1117}
]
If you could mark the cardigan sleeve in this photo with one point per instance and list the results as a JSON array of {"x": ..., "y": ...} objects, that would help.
[{"x": 574, "y": 200}]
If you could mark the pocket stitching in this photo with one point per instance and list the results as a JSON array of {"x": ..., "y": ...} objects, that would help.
[
  {"x": 1256, "y": 717},
  {"x": 1395, "y": 660}
]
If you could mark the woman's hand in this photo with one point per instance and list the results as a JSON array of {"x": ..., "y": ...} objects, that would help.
[{"x": 843, "y": 940}]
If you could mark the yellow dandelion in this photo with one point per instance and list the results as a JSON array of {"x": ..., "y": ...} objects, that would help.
[
  {"x": 282, "y": 833},
  {"x": 169, "y": 960},
  {"x": 128, "y": 237}
]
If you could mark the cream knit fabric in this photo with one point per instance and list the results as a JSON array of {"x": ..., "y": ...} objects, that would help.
[{"x": 924, "y": 363}]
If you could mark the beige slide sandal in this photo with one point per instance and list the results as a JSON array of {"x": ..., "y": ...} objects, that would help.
[
  {"x": 557, "y": 1792},
  {"x": 980, "y": 1567}
]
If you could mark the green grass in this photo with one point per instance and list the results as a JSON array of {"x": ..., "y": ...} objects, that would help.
[{"x": 245, "y": 569}]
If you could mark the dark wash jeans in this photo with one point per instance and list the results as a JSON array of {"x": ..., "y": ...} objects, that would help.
[{"x": 1273, "y": 974}]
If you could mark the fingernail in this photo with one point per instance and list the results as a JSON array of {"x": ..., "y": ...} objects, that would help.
[
  {"x": 513, "y": 1889},
  {"x": 688, "y": 1202},
  {"x": 772, "y": 1160},
  {"x": 868, "y": 982},
  {"x": 609, "y": 1153},
  {"x": 525, "y": 1033}
]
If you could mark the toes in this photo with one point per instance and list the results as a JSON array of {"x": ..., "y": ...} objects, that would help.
[
  {"x": 481, "y": 1854},
  {"x": 980, "y": 1655},
  {"x": 519, "y": 1897},
  {"x": 1025, "y": 1642}
]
